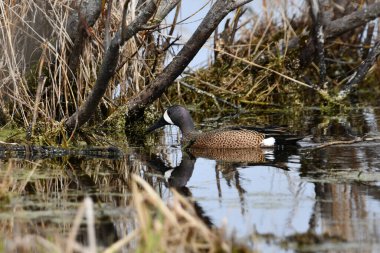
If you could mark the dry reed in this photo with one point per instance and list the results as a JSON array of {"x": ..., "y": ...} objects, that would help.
[
  {"x": 162, "y": 227},
  {"x": 38, "y": 88}
]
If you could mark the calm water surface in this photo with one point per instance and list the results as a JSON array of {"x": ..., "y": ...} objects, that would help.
[{"x": 272, "y": 199}]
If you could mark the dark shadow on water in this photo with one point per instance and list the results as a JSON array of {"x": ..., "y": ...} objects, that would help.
[{"x": 177, "y": 178}]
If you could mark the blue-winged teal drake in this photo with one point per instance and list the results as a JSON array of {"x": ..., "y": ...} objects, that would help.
[{"x": 231, "y": 137}]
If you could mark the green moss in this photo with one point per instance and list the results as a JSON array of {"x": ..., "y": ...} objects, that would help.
[{"x": 12, "y": 135}]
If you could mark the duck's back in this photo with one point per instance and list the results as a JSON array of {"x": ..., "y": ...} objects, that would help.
[{"x": 228, "y": 138}]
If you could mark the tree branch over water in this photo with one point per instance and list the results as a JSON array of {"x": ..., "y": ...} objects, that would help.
[
  {"x": 92, "y": 75},
  {"x": 218, "y": 11},
  {"x": 107, "y": 70},
  {"x": 337, "y": 27},
  {"x": 355, "y": 19},
  {"x": 108, "y": 67},
  {"x": 333, "y": 29},
  {"x": 359, "y": 75}
]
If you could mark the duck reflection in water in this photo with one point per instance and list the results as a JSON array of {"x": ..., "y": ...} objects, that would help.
[
  {"x": 228, "y": 164},
  {"x": 177, "y": 178}
]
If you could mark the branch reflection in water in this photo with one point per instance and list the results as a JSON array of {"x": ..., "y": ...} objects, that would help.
[{"x": 220, "y": 175}]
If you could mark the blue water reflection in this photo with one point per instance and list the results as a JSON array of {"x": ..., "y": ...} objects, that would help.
[{"x": 248, "y": 198}]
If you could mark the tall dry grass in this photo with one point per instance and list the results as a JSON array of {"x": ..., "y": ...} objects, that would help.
[
  {"x": 36, "y": 83},
  {"x": 162, "y": 227}
]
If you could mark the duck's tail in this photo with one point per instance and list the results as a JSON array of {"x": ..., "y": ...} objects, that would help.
[
  {"x": 280, "y": 134},
  {"x": 287, "y": 139}
]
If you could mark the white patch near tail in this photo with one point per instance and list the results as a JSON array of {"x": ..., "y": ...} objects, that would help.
[
  {"x": 167, "y": 118},
  {"x": 168, "y": 174},
  {"x": 268, "y": 142}
]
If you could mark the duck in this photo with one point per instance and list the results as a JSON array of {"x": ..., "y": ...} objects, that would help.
[{"x": 235, "y": 137}]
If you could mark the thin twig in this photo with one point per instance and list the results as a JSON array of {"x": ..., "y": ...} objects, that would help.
[
  {"x": 368, "y": 39},
  {"x": 124, "y": 19},
  {"x": 270, "y": 70},
  {"x": 333, "y": 143},
  {"x": 197, "y": 90}
]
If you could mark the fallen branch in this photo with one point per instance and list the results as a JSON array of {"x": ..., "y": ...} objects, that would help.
[
  {"x": 335, "y": 28},
  {"x": 355, "y": 19}
]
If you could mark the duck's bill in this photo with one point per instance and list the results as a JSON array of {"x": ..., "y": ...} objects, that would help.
[{"x": 160, "y": 123}]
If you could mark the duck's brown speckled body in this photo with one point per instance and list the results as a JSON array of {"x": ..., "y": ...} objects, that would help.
[{"x": 224, "y": 138}]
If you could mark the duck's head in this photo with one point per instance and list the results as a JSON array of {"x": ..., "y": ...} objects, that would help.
[{"x": 175, "y": 115}]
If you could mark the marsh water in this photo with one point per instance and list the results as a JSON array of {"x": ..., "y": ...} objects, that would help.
[{"x": 285, "y": 199}]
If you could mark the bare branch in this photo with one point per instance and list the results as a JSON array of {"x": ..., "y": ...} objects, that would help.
[
  {"x": 237, "y": 4},
  {"x": 107, "y": 38},
  {"x": 368, "y": 39},
  {"x": 165, "y": 7},
  {"x": 139, "y": 23},
  {"x": 108, "y": 67},
  {"x": 336, "y": 28},
  {"x": 353, "y": 20},
  {"x": 124, "y": 19},
  {"x": 359, "y": 75},
  {"x": 217, "y": 12},
  {"x": 319, "y": 41}
]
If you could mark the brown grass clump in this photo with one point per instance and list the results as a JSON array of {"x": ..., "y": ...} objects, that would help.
[
  {"x": 37, "y": 86},
  {"x": 174, "y": 227},
  {"x": 162, "y": 227},
  {"x": 262, "y": 61},
  {"x": 251, "y": 66},
  {"x": 171, "y": 228}
]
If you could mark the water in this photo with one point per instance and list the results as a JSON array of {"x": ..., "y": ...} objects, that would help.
[{"x": 275, "y": 200}]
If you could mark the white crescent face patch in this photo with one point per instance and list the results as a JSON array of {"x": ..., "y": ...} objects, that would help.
[{"x": 167, "y": 118}]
